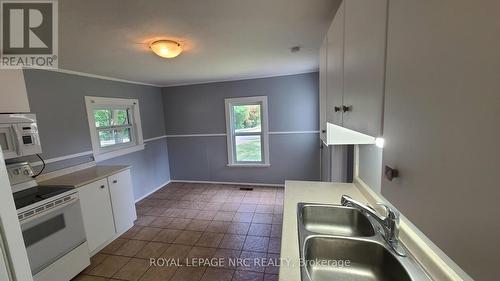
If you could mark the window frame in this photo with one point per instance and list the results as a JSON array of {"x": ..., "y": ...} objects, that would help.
[
  {"x": 136, "y": 138},
  {"x": 231, "y": 134}
]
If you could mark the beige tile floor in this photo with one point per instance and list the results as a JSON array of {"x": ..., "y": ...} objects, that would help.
[{"x": 183, "y": 221}]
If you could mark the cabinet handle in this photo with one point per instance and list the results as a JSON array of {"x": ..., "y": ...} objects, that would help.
[
  {"x": 391, "y": 173},
  {"x": 347, "y": 108},
  {"x": 336, "y": 108},
  {"x": 102, "y": 186},
  {"x": 115, "y": 181}
]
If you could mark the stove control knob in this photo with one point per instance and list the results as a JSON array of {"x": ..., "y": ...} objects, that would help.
[
  {"x": 15, "y": 172},
  {"x": 26, "y": 172}
]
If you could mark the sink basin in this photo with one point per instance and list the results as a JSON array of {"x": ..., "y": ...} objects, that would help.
[
  {"x": 340, "y": 243},
  {"x": 335, "y": 220},
  {"x": 336, "y": 258}
]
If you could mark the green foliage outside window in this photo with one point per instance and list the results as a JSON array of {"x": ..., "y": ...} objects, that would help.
[
  {"x": 107, "y": 117},
  {"x": 246, "y": 116},
  {"x": 110, "y": 118}
]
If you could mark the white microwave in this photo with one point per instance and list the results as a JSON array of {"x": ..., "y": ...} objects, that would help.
[{"x": 19, "y": 135}]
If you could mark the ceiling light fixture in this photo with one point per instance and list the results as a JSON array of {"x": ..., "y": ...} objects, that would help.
[{"x": 166, "y": 48}]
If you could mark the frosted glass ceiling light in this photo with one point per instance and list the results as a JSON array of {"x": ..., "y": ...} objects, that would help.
[{"x": 166, "y": 48}]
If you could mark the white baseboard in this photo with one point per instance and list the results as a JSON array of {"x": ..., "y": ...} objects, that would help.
[
  {"x": 152, "y": 191},
  {"x": 229, "y": 182}
]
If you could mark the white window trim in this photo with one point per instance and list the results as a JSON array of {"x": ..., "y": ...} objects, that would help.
[
  {"x": 229, "y": 103},
  {"x": 104, "y": 154}
]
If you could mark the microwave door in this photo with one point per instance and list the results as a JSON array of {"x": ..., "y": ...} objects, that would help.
[{"x": 8, "y": 141}]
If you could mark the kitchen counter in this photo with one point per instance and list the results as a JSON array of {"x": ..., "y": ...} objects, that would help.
[
  {"x": 86, "y": 176},
  {"x": 436, "y": 263},
  {"x": 308, "y": 192}
]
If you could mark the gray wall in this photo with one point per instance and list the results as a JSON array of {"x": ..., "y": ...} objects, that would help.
[
  {"x": 370, "y": 165},
  {"x": 199, "y": 109},
  {"x": 58, "y": 101}
]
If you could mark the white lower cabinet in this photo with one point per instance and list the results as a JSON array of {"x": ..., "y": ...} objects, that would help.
[
  {"x": 97, "y": 213},
  {"x": 108, "y": 209},
  {"x": 122, "y": 200}
]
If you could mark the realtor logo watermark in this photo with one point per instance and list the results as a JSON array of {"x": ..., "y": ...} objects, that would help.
[{"x": 29, "y": 34}]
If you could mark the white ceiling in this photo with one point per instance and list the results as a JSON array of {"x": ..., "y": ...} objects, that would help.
[{"x": 224, "y": 39}]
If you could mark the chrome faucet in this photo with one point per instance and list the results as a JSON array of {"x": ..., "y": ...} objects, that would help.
[{"x": 389, "y": 223}]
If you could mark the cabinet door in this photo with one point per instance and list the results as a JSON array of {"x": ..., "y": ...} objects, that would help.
[
  {"x": 441, "y": 126},
  {"x": 335, "y": 66},
  {"x": 364, "y": 65},
  {"x": 122, "y": 200},
  {"x": 97, "y": 213},
  {"x": 322, "y": 90}
]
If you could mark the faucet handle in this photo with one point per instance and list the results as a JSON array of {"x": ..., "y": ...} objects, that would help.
[{"x": 389, "y": 212}]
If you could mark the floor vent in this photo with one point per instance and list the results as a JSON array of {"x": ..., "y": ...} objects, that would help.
[{"x": 246, "y": 188}]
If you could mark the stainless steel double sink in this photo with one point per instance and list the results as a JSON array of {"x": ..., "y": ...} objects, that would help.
[{"x": 340, "y": 243}]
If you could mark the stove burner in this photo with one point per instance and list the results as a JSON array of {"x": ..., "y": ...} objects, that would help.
[{"x": 36, "y": 194}]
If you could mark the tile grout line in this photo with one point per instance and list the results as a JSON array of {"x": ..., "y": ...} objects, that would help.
[{"x": 194, "y": 244}]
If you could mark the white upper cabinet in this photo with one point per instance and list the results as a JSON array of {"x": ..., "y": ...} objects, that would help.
[
  {"x": 335, "y": 65},
  {"x": 364, "y": 65},
  {"x": 355, "y": 71},
  {"x": 13, "y": 98}
]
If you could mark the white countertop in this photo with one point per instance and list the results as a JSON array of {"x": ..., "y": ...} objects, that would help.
[
  {"x": 436, "y": 263},
  {"x": 307, "y": 192},
  {"x": 86, "y": 176}
]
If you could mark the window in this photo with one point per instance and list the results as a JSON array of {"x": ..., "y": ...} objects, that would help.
[
  {"x": 115, "y": 126},
  {"x": 247, "y": 131}
]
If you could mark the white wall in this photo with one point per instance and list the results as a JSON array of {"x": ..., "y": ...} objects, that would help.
[{"x": 369, "y": 161}]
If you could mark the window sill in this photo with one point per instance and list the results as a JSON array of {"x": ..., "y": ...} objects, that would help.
[
  {"x": 116, "y": 153},
  {"x": 249, "y": 165}
]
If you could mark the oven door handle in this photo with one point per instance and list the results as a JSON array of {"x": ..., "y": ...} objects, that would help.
[{"x": 44, "y": 212}]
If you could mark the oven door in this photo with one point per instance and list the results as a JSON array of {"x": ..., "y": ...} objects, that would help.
[
  {"x": 8, "y": 141},
  {"x": 52, "y": 234}
]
